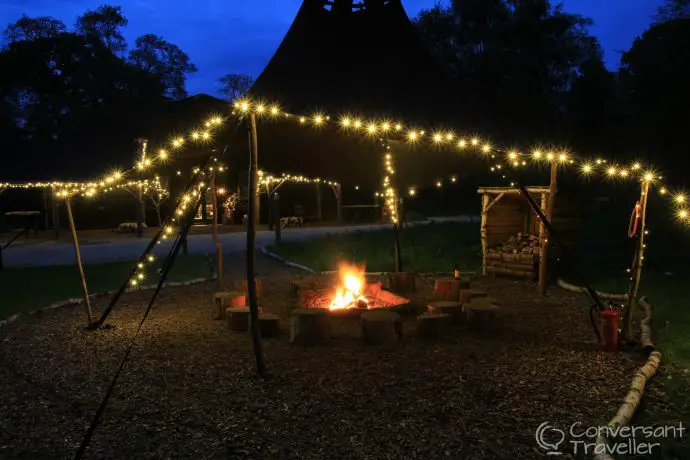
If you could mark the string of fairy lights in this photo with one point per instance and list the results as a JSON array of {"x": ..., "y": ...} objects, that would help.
[
  {"x": 270, "y": 179},
  {"x": 146, "y": 162},
  {"x": 500, "y": 159},
  {"x": 184, "y": 202}
]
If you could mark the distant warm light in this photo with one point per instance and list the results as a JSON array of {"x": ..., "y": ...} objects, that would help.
[
  {"x": 318, "y": 119},
  {"x": 302, "y": 120},
  {"x": 462, "y": 143},
  {"x": 475, "y": 141},
  {"x": 636, "y": 166},
  {"x": 260, "y": 108},
  {"x": 663, "y": 191},
  {"x": 398, "y": 127},
  {"x": 649, "y": 177},
  {"x": 196, "y": 135},
  {"x": 244, "y": 106},
  {"x": 437, "y": 138},
  {"x": 178, "y": 142},
  {"x": 486, "y": 148},
  {"x": 412, "y": 136},
  {"x": 537, "y": 154},
  {"x": 439, "y": 184},
  {"x": 162, "y": 154},
  {"x": 600, "y": 161},
  {"x": 412, "y": 192},
  {"x": 587, "y": 168},
  {"x": 680, "y": 198},
  {"x": 275, "y": 110},
  {"x": 453, "y": 179},
  {"x": 449, "y": 136},
  {"x": 513, "y": 155},
  {"x": 206, "y": 135},
  {"x": 563, "y": 157},
  {"x": 385, "y": 126},
  {"x": 371, "y": 128},
  {"x": 357, "y": 123},
  {"x": 683, "y": 214},
  {"x": 550, "y": 156},
  {"x": 221, "y": 191},
  {"x": 346, "y": 122},
  {"x": 624, "y": 173},
  {"x": 611, "y": 171}
]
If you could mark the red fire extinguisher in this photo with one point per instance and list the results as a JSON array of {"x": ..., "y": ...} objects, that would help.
[{"x": 608, "y": 330}]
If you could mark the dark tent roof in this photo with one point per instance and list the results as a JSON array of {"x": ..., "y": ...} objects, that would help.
[
  {"x": 361, "y": 59},
  {"x": 366, "y": 58}
]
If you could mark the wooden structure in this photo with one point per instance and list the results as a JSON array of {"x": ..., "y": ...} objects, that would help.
[{"x": 509, "y": 222}]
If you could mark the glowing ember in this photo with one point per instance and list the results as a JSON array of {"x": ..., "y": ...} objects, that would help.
[{"x": 351, "y": 289}]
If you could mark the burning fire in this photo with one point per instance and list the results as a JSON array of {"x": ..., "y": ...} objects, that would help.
[{"x": 351, "y": 288}]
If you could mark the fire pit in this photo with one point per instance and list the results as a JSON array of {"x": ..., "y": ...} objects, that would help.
[{"x": 352, "y": 293}]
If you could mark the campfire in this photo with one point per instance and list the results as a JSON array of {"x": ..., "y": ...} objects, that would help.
[{"x": 352, "y": 292}]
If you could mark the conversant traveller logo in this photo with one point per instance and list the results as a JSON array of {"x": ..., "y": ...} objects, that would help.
[
  {"x": 549, "y": 438},
  {"x": 611, "y": 440}
]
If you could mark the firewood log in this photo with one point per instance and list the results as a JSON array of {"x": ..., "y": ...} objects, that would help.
[
  {"x": 381, "y": 327},
  {"x": 646, "y": 326},
  {"x": 310, "y": 326},
  {"x": 433, "y": 326}
]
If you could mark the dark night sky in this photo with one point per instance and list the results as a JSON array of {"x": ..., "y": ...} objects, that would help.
[{"x": 240, "y": 36}]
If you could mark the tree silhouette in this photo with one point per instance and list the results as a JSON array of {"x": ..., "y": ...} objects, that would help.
[
  {"x": 235, "y": 85},
  {"x": 26, "y": 28},
  {"x": 167, "y": 61},
  {"x": 104, "y": 23}
]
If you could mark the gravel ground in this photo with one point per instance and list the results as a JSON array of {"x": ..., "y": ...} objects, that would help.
[{"x": 189, "y": 389}]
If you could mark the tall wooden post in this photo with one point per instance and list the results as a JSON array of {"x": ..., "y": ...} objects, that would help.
[
  {"x": 543, "y": 236},
  {"x": 55, "y": 205},
  {"x": 275, "y": 204},
  {"x": 638, "y": 262},
  {"x": 141, "y": 208},
  {"x": 251, "y": 247},
  {"x": 319, "y": 213},
  {"x": 80, "y": 267},
  {"x": 484, "y": 232},
  {"x": 339, "y": 198},
  {"x": 548, "y": 213},
  {"x": 220, "y": 281}
]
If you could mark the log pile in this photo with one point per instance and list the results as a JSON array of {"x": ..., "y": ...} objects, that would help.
[{"x": 518, "y": 256}]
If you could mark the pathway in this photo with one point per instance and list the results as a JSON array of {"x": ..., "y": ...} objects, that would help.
[{"x": 49, "y": 253}]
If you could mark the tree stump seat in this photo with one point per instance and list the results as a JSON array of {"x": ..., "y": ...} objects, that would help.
[
  {"x": 446, "y": 307},
  {"x": 481, "y": 315},
  {"x": 381, "y": 327},
  {"x": 228, "y": 299},
  {"x": 466, "y": 295},
  {"x": 310, "y": 326},
  {"x": 269, "y": 325},
  {"x": 433, "y": 326},
  {"x": 449, "y": 288}
]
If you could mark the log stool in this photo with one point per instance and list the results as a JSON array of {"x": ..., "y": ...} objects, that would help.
[
  {"x": 433, "y": 326},
  {"x": 466, "y": 295},
  {"x": 238, "y": 318},
  {"x": 481, "y": 315},
  {"x": 449, "y": 288},
  {"x": 447, "y": 307},
  {"x": 228, "y": 299},
  {"x": 380, "y": 327},
  {"x": 269, "y": 325},
  {"x": 402, "y": 282},
  {"x": 310, "y": 326}
]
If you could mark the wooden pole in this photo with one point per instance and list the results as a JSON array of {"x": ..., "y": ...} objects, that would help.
[
  {"x": 548, "y": 213},
  {"x": 55, "y": 205},
  {"x": 275, "y": 203},
  {"x": 319, "y": 214},
  {"x": 543, "y": 239},
  {"x": 80, "y": 267},
  {"x": 484, "y": 235},
  {"x": 638, "y": 262},
  {"x": 339, "y": 198},
  {"x": 251, "y": 247},
  {"x": 220, "y": 281}
]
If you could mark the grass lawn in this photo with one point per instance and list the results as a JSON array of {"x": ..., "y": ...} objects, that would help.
[
  {"x": 26, "y": 289},
  {"x": 425, "y": 248}
]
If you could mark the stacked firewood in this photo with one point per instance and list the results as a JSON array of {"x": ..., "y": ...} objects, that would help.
[
  {"x": 519, "y": 244},
  {"x": 518, "y": 256}
]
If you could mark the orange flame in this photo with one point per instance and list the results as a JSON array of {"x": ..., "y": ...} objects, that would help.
[{"x": 351, "y": 288}]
